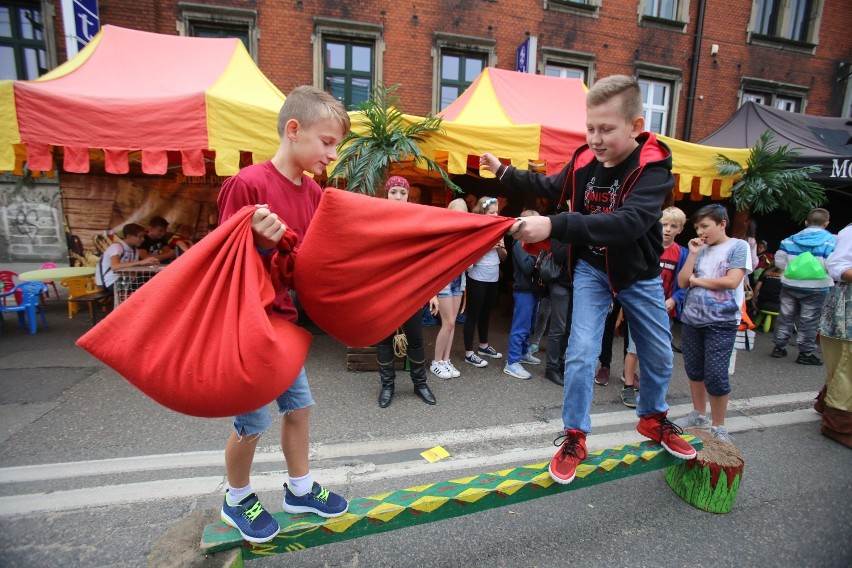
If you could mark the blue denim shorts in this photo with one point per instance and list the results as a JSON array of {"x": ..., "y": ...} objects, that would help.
[
  {"x": 256, "y": 422},
  {"x": 454, "y": 288}
]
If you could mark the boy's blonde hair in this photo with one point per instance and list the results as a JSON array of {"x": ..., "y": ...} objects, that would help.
[
  {"x": 614, "y": 85},
  {"x": 309, "y": 105},
  {"x": 457, "y": 204},
  {"x": 675, "y": 215},
  {"x": 529, "y": 213}
]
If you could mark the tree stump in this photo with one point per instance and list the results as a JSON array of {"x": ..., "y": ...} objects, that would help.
[{"x": 709, "y": 482}]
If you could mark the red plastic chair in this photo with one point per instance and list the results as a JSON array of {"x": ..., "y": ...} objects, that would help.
[
  {"x": 49, "y": 283},
  {"x": 7, "y": 278}
]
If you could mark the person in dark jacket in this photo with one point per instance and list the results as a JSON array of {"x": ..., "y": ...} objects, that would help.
[
  {"x": 616, "y": 184},
  {"x": 524, "y": 309},
  {"x": 560, "y": 316}
]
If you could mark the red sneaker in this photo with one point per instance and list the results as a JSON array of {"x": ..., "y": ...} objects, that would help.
[
  {"x": 658, "y": 428},
  {"x": 563, "y": 466}
]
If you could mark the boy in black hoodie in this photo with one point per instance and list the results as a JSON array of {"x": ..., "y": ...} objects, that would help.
[{"x": 616, "y": 185}]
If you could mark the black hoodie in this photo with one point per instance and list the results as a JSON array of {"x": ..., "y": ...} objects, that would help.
[{"x": 631, "y": 233}]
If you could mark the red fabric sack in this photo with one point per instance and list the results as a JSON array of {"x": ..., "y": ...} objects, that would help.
[
  {"x": 366, "y": 265},
  {"x": 200, "y": 337}
]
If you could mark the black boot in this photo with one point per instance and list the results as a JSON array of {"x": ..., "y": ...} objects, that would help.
[
  {"x": 554, "y": 376},
  {"x": 385, "y": 359},
  {"x": 417, "y": 360}
]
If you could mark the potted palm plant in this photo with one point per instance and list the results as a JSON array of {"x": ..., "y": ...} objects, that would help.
[
  {"x": 381, "y": 139},
  {"x": 767, "y": 183}
]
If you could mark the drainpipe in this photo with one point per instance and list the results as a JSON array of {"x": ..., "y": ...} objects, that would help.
[{"x": 693, "y": 79}]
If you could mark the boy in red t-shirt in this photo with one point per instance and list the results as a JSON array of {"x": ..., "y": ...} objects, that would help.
[
  {"x": 311, "y": 124},
  {"x": 672, "y": 259}
]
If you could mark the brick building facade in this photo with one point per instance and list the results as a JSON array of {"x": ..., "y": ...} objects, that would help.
[
  {"x": 697, "y": 59},
  {"x": 787, "y": 53}
]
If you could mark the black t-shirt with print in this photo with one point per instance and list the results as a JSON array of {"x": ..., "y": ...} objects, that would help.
[
  {"x": 155, "y": 246},
  {"x": 599, "y": 197}
]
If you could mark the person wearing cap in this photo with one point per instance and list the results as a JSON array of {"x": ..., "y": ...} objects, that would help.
[{"x": 397, "y": 189}]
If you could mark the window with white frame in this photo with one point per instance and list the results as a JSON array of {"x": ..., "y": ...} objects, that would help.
[
  {"x": 666, "y": 14},
  {"x": 555, "y": 62},
  {"x": 577, "y": 7},
  {"x": 656, "y": 104},
  {"x": 23, "y": 47},
  {"x": 201, "y": 20},
  {"x": 458, "y": 62},
  {"x": 660, "y": 86},
  {"x": 793, "y": 20},
  {"x": 783, "y": 96},
  {"x": 347, "y": 59},
  {"x": 664, "y": 9}
]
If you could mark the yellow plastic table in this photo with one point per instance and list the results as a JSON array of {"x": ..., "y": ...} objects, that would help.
[{"x": 56, "y": 273}]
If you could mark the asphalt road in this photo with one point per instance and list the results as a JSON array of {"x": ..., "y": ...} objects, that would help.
[{"x": 93, "y": 473}]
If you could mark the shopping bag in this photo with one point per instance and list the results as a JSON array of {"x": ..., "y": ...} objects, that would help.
[
  {"x": 200, "y": 337},
  {"x": 366, "y": 264}
]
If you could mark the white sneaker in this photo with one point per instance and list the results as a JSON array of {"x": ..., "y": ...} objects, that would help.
[
  {"x": 516, "y": 370},
  {"x": 530, "y": 360},
  {"x": 440, "y": 370},
  {"x": 693, "y": 420},
  {"x": 721, "y": 433},
  {"x": 450, "y": 367}
]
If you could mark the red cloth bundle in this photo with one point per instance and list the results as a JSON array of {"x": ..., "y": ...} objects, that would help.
[
  {"x": 366, "y": 265},
  {"x": 200, "y": 337}
]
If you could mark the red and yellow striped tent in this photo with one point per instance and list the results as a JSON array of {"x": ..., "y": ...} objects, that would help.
[
  {"x": 130, "y": 91},
  {"x": 526, "y": 118}
]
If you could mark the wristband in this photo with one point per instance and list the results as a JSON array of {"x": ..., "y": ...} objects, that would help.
[{"x": 265, "y": 252}]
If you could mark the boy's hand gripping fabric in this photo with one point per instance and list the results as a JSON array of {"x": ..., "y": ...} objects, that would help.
[{"x": 200, "y": 337}]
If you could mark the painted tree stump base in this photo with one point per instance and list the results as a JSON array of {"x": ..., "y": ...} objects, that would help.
[
  {"x": 443, "y": 500},
  {"x": 711, "y": 481}
]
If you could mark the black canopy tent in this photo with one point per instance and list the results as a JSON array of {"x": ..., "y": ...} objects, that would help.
[{"x": 821, "y": 141}]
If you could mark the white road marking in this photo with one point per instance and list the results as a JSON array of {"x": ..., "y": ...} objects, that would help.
[
  {"x": 337, "y": 476},
  {"x": 272, "y": 454}
]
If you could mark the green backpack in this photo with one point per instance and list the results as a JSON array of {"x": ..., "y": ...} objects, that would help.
[{"x": 805, "y": 266}]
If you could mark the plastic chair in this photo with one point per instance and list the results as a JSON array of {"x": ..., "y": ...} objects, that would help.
[
  {"x": 78, "y": 286},
  {"x": 30, "y": 304},
  {"x": 766, "y": 318},
  {"x": 8, "y": 278},
  {"x": 49, "y": 283}
]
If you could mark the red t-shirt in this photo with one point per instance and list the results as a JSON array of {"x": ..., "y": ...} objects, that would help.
[
  {"x": 295, "y": 204},
  {"x": 668, "y": 262}
]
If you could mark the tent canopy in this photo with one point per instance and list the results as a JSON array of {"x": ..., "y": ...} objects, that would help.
[
  {"x": 822, "y": 141},
  {"x": 523, "y": 117},
  {"x": 130, "y": 90}
]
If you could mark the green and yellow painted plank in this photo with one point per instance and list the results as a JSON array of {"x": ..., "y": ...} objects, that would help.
[{"x": 444, "y": 500}]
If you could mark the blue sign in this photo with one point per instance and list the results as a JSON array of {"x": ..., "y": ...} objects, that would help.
[
  {"x": 526, "y": 55},
  {"x": 522, "y": 57},
  {"x": 87, "y": 22}
]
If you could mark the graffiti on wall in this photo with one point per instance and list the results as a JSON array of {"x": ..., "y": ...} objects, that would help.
[{"x": 31, "y": 227}]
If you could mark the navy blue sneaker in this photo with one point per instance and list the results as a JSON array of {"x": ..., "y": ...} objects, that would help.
[
  {"x": 251, "y": 519},
  {"x": 318, "y": 500}
]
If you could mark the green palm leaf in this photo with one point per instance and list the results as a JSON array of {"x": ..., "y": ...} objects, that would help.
[
  {"x": 767, "y": 182},
  {"x": 364, "y": 160}
]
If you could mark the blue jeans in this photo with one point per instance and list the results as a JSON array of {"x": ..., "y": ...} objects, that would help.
[
  {"x": 644, "y": 306},
  {"x": 296, "y": 397},
  {"x": 521, "y": 321}
]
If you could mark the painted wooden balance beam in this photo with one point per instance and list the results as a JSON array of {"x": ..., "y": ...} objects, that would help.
[{"x": 444, "y": 500}]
